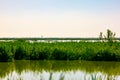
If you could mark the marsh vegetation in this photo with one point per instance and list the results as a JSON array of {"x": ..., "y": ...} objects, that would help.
[{"x": 93, "y": 51}]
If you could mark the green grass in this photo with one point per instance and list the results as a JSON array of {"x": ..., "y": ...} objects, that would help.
[{"x": 91, "y": 51}]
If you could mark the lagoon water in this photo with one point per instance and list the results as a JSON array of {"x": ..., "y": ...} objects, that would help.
[{"x": 59, "y": 70}]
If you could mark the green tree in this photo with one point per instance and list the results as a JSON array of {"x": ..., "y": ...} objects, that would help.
[
  {"x": 101, "y": 36},
  {"x": 110, "y": 36}
]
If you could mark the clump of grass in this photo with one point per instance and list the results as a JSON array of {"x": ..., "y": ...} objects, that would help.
[{"x": 92, "y": 51}]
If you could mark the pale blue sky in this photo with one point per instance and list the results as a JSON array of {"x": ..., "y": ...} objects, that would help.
[{"x": 58, "y": 18}]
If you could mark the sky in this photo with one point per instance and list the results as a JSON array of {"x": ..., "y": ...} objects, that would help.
[{"x": 58, "y": 18}]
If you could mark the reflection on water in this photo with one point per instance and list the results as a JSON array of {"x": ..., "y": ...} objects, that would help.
[{"x": 59, "y": 70}]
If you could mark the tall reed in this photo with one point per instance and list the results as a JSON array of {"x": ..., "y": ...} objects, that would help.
[{"x": 92, "y": 51}]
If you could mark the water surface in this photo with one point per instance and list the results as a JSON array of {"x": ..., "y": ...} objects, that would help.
[{"x": 59, "y": 70}]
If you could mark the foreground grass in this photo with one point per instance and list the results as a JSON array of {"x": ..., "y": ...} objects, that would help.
[{"x": 92, "y": 51}]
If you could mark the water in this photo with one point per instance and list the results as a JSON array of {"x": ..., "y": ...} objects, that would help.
[{"x": 59, "y": 70}]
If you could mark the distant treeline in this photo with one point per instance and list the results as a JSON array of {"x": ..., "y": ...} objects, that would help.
[
  {"x": 110, "y": 36},
  {"x": 55, "y": 38}
]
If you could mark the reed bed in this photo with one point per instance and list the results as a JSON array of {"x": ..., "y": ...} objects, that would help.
[{"x": 90, "y": 51}]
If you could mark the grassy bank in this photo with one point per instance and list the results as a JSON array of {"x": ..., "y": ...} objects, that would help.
[{"x": 92, "y": 51}]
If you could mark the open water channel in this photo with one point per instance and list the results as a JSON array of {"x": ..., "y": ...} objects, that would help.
[{"x": 59, "y": 70}]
